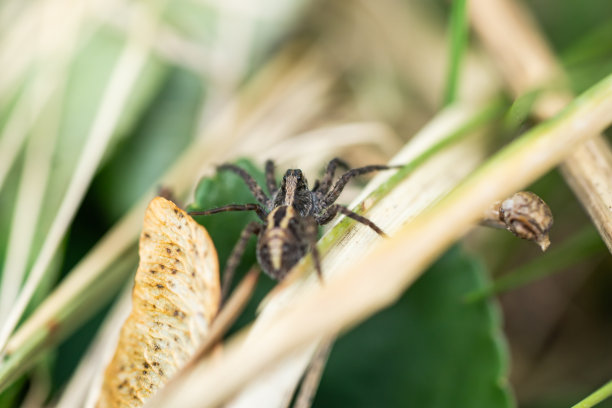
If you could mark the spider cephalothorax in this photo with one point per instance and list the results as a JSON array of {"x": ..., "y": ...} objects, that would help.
[
  {"x": 291, "y": 215},
  {"x": 294, "y": 191}
]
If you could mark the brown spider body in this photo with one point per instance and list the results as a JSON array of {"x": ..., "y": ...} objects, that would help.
[
  {"x": 290, "y": 216},
  {"x": 280, "y": 245}
]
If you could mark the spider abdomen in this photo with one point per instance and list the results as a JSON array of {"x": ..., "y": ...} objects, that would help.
[{"x": 280, "y": 245}]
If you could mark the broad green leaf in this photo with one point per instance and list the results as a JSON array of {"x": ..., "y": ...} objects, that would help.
[
  {"x": 224, "y": 228},
  {"x": 225, "y": 188},
  {"x": 428, "y": 350}
]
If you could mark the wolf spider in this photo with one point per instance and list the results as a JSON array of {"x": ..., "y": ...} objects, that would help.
[{"x": 291, "y": 215}]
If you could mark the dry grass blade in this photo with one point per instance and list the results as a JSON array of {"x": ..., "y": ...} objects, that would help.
[
  {"x": 528, "y": 63},
  {"x": 229, "y": 313},
  {"x": 459, "y": 152},
  {"x": 357, "y": 292},
  {"x": 243, "y": 120},
  {"x": 176, "y": 296},
  {"x": 36, "y": 170},
  {"x": 54, "y": 44},
  {"x": 88, "y": 376},
  {"x": 313, "y": 375},
  {"x": 124, "y": 76},
  {"x": 273, "y": 387}
]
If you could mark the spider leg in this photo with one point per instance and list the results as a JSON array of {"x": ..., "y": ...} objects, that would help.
[
  {"x": 270, "y": 179},
  {"x": 335, "y": 191},
  {"x": 253, "y": 228},
  {"x": 326, "y": 181},
  {"x": 256, "y": 190},
  {"x": 337, "y": 208},
  {"x": 311, "y": 229},
  {"x": 261, "y": 213}
]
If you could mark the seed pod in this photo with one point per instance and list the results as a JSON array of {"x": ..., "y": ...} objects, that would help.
[
  {"x": 525, "y": 215},
  {"x": 175, "y": 298}
]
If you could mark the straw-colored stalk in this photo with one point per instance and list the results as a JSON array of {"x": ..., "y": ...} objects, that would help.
[
  {"x": 382, "y": 25},
  {"x": 296, "y": 85},
  {"x": 124, "y": 76},
  {"x": 365, "y": 286},
  {"x": 528, "y": 64},
  {"x": 441, "y": 155}
]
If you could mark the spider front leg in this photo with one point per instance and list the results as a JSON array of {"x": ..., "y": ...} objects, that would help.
[
  {"x": 259, "y": 210},
  {"x": 256, "y": 190},
  {"x": 253, "y": 228},
  {"x": 334, "y": 193},
  {"x": 331, "y": 212},
  {"x": 322, "y": 187},
  {"x": 270, "y": 179}
]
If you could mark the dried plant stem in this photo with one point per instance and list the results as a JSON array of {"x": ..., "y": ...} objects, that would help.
[
  {"x": 445, "y": 140},
  {"x": 57, "y": 50},
  {"x": 30, "y": 197},
  {"x": 357, "y": 292},
  {"x": 311, "y": 381},
  {"x": 229, "y": 313},
  {"x": 273, "y": 388},
  {"x": 528, "y": 64},
  {"x": 87, "y": 377},
  {"x": 80, "y": 293},
  {"x": 125, "y": 74},
  {"x": 56, "y": 326}
]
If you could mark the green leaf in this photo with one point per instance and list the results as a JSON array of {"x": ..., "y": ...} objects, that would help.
[
  {"x": 225, "y": 188},
  {"x": 458, "y": 45},
  {"x": 224, "y": 228},
  {"x": 429, "y": 350}
]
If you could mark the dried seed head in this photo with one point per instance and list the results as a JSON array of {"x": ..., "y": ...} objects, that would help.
[
  {"x": 175, "y": 298},
  {"x": 527, "y": 216}
]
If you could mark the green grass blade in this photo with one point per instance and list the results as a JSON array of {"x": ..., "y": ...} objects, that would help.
[
  {"x": 580, "y": 247},
  {"x": 596, "y": 397},
  {"x": 458, "y": 45}
]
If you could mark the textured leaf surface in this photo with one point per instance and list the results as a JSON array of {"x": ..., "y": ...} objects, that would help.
[
  {"x": 227, "y": 188},
  {"x": 430, "y": 349},
  {"x": 176, "y": 296}
]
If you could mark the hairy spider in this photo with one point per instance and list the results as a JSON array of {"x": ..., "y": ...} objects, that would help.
[{"x": 291, "y": 215}]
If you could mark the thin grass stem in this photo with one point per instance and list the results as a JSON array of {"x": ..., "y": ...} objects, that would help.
[
  {"x": 457, "y": 48},
  {"x": 595, "y": 398}
]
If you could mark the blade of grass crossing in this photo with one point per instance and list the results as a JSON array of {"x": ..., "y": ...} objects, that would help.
[
  {"x": 596, "y": 397},
  {"x": 458, "y": 45},
  {"x": 584, "y": 245},
  {"x": 125, "y": 74}
]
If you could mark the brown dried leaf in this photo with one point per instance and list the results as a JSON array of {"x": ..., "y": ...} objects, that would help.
[{"x": 175, "y": 298}]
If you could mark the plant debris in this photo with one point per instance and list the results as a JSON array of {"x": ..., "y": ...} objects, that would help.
[
  {"x": 175, "y": 298},
  {"x": 525, "y": 215}
]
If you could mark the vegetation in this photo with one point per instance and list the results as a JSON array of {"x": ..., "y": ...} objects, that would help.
[{"x": 106, "y": 106}]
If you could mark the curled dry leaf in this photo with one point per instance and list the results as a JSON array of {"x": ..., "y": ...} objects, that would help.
[
  {"x": 525, "y": 215},
  {"x": 175, "y": 298}
]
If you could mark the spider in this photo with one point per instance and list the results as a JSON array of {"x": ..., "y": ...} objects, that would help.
[{"x": 291, "y": 215}]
